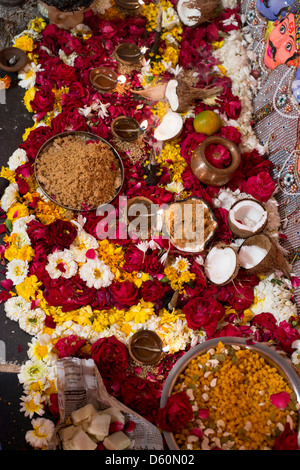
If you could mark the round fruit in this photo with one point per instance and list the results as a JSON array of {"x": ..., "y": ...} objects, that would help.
[{"x": 207, "y": 122}]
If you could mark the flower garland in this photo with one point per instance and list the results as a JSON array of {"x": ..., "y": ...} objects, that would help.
[{"x": 76, "y": 294}]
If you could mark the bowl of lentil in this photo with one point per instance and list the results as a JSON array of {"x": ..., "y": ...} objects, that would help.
[{"x": 229, "y": 384}]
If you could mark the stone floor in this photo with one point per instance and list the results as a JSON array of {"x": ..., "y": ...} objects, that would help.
[{"x": 14, "y": 119}]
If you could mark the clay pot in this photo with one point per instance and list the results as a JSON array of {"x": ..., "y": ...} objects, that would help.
[
  {"x": 103, "y": 78},
  {"x": 125, "y": 128},
  {"x": 12, "y": 53},
  {"x": 205, "y": 171},
  {"x": 145, "y": 347},
  {"x": 128, "y": 53},
  {"x": 128, "y": 4}
]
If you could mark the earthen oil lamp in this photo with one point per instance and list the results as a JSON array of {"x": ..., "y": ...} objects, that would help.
[
  {"x": 125, "y": 128},
  {"x": 12, "y": 59},
  {"x": 205, "y": 171},
  {"x": 145, "y": 347},
  {"x": 129, "y": 4},
  {"x": 104, "y": 79},
  {"x": 128, "y": 53}
]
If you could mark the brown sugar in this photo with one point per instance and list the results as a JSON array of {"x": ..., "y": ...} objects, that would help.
[{"x": 79, "y": 173}]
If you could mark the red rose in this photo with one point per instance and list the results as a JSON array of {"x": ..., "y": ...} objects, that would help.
[
  {"x": 124, "y": 294},
  {"x": 43, "y": 102},
  {"x": 35, "y": 140},
  {"x": 154, "y": 291},
  {"x": 68, "y": 346},
  {"x": 110, "y": 356},
  {"x": 134, "y": 259},
  {"x": 64, "y": 74},
  {"x": 260, "y": 186},
  {"x": 202, "y": 312},
  {"x": 265, "y": 325},
  {"x": 288, "y": 440},
  {"x": 176, "y": 413},
  {"x": 218, "y": 156},
  {"x": 141, "y": 395},
  {"x": 69, "y": 293},
  {"x": 63, "y": 233},
  {"x": 285, "y": 334},
  {"x": 68, "y": 121},
  {"x": 153, "y": 264}
]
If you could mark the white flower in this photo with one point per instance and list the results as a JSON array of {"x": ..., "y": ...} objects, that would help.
[
  {"x": 33, "y": 321},
  {"x": 101, "y": 6},
  {"x": 82, "y": 243},
  {"x": 10, "y": 196},
  {"x": 19, "y": 157},
  {"x": 33, "y": 371},
  {"x": 20, "y": 225},
  {"x": 40, "y": 349},
  {"x": 15, "y": 307},
  {"x": 175, "y": 187},
  {"x": 41, "y": 434},
  {"x": 170, "y": 18},
  {"x": 21, "y": 239},
  {"x": 61, "y": 264},
  {"x": 27, "y": 76},
  {"x": 67, "y": 59},
  {"x": 181, "y": 264},
  {"x": 32, "y": 404},
  {"x": 17, "y": 271},
  {"x": 96, "y": 273}
]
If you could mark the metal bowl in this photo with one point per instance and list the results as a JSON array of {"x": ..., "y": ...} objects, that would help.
[
  {"x": 87, "y": 136},
  {"x": 270, "y": 356}
]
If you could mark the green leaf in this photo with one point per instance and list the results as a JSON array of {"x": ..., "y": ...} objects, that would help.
[{"x": 9, "y": 225}]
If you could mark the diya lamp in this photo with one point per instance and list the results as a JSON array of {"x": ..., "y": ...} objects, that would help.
[
  {"x": 12, "y": 59},
  {"x": 145, "y": 347},
  {"x": 103, "y": 78},
  {"x": 207, "y": 173},
  {"x": 126, "y": 128},
  {"x": 129, "y": 4},
  {"x": 128, "y": 53}
]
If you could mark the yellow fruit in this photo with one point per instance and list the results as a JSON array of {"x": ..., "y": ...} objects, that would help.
[{"x": 207, "y": 122}]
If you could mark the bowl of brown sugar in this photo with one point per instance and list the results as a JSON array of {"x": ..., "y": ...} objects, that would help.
[{"x": 79, "y": 171}]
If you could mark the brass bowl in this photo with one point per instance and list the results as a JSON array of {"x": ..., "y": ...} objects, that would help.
[
  {"x": 269, "y": 355},
  {"x": 103, "y": 79},
  {"x": 128, "y": 4},
  {"x": 205, "y": 171},
  {"x": 86, "y": 136},
  {"x": 9, "y": 53},
  {"x": 128, "y": 53}
]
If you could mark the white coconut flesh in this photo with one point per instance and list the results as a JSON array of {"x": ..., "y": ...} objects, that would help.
[
  {"x": 220, "y": 264},
  {"x": 248, "y": 215},
  {"x": 188, "y": 15},
  {"x": 251, "y": 255},
  {"x": 171, "y": 94},
  {"x": 169, "y": 127}
]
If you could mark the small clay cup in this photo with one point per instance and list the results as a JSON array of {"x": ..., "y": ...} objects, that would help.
[
  {"x": 125, "y": 128},
  {"x": 145, "y": 347},
  {"x": 9, "y": 53},
  {"x": 103, "y": 78},
  {"x": 128, "y": 53}
]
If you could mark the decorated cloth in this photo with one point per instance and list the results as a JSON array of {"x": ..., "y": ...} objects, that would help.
[{"x": 80, "y": 294}]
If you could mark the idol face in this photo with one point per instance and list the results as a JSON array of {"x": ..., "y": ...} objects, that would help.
[
  {"x": 281, "y": 43},
  {"x": 270, "y": 8}
]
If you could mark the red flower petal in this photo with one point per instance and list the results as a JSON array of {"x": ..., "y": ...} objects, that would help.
[
  {"x": 197, "y": 432},
  {"x": 203, "y": 413},
  {"x": 280, "y": 400}
]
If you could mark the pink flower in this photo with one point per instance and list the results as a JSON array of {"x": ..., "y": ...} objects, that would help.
[
  {"x": 197, "y": 432},
  {"x": 204, "y": 413},
  {"x": 280, "y": 400},
  {"x": 218, "y": 156},
  {"x": 295, "y": 281},
  {"x": 260, "y": 186}
]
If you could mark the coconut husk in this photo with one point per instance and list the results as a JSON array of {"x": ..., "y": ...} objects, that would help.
[
  {"x": 240, "y": 232},
  {"x": 186, "y": 94},
  {"x": 221, "y": 246},
  {"x": 154, "y": 93},
  {"x": 274, "y": 259},
  {"x": 207, "y": 8}
]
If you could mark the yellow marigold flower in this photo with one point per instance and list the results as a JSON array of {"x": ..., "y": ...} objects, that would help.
[
  {"x": 28, "y": 130},
  {"x": 24, "y": 43},
  {"x": 25, "y": 253},
  {"x": 48, "y": 212},
  {"x": 28, "y": 97},
  {"x": 28, "y": 288},
  {"x": 139, "y": 279},
  {"x": 177, "y": 279},
  {"x": 6, "y": 80},
  {"x": 8, "y": 174},
  {"x": 248, "y": 315},
  {"x": 16, "y": 211},
  {"x": 126, "y": 329},
  {"x": 38, "y": 24}
]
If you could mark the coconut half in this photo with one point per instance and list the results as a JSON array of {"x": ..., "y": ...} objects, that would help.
[
  {"x": 221, "y": 265},
  {"x": 170, "y": 127},
  {"x": 171, "y": 94},
  {"x": 247, "y": 217},
  {"x": 259, "y": 254},
  {"x": 194, "y": 12}
]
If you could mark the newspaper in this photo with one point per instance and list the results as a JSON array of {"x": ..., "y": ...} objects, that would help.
[{"x": 79, "y": 383}]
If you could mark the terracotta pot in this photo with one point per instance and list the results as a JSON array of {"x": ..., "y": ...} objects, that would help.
[
  {"x": 128, "y": 53},
  {"x": 9, "y": 53},
  {"x": 103, "y": 78},
  {"x": 145, "y": 347},
  {"x": 125, "y": 128},
  {"x": 205, "y": 171}
]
